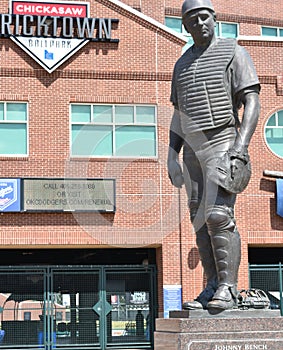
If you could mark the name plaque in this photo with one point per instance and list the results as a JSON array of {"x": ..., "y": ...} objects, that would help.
[
  {"x": 241, "y": 344},
  {"x": 69, "y": 195}
]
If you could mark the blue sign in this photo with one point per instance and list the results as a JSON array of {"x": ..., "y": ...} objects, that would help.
[
  {"x": 10, "y": 195},
  {"x": 279, "y": 187},
  {"x": 172, "y": 297}
]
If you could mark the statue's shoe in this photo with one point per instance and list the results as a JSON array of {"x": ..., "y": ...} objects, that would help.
[
  {"x": 200, "y": 303},
  {"x": 222, "y": 299},
  {"x": 192, "y": 305},
  {"x": 221, "y": 304}
]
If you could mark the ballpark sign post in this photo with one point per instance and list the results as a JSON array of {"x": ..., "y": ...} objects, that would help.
[{"x": 51, "y": 32}]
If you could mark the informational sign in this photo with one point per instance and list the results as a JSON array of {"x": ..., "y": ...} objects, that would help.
[
  {"x": 139, "y": 298},
  {"x": 52, "y": 31},
  {"x": 279, "y": 190},
  {"x": 172, "y": 298},
  {"x": 10, "y": 195},
  {"x": 69, "y": 195}
]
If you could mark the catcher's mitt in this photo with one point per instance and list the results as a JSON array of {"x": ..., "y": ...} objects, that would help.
[
  {"x": 232, "y": 172},
  {"x": 253, "y": 298}
]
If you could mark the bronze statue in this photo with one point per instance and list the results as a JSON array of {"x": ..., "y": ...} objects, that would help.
[{"x": 211, "y": 81}]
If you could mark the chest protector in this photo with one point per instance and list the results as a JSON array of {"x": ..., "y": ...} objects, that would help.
[{"x": 203, "y": 99}]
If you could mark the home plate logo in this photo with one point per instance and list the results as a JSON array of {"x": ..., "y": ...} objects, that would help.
[
  {"x": 51, "y": 32},
  {"x": 50, "y": 53}
]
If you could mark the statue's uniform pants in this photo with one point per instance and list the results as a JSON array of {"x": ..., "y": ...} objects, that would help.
[{"x": 212, "y": 210}]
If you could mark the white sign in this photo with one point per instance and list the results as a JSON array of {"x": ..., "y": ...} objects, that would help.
[
  {"x": 49, "y": 53},
  {"x": 51, "y": 32}
]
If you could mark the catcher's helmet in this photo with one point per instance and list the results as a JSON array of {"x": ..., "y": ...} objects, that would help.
[{"x": 190, "y": 5}]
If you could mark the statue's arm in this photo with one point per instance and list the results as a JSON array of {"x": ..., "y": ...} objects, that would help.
[
  {"x": 176, "y": 140},
  {"x": 249, "y": 121}
]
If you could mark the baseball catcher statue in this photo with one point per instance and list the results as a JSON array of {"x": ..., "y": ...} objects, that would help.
[{"x": 211, "y": 81}]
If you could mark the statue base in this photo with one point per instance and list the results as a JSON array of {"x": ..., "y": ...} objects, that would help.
[{"x": 228, "y": 330}]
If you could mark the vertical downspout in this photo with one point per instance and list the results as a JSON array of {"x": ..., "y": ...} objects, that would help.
[
  {"x": 180, "y": 242},
  {"x": 280, "y": 288}
]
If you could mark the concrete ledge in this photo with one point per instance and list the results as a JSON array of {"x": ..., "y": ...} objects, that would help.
[
  {"x": 234, "y": 313},
  {"x": 232, "y": 330}
]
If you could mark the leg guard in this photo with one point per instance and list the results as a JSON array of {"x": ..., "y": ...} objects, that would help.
[
  {"x": 227, "y": 254},
  {"x": 206, "y": 254},
  {"x": 207, "y": 258},
  {"x": 203, "y": 242}
]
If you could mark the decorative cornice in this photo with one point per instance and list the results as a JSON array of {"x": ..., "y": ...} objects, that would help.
[
  {"x": 116, "y": 75},
  {"x": 85, "y": 74},
  {"x": 249, "y": 19},
  {"x": 273, "y": 80},
  {"x": 268, "y": 79},
  {"x": 260, "y": 41}
]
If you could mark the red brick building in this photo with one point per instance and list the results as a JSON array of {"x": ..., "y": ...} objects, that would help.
[{"x": 102, "y": 111}]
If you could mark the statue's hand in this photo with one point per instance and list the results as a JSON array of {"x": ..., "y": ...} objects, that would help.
[
  {"x": 238, "y": 160},
  {"x": 236, "y": 167},
  {"x": 175, "y": 173}
]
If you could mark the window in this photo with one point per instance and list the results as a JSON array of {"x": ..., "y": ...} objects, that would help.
[
  {"x": 27, "y": 316},
  {"x": 272, "y": 31},
  {"x": 226, "y": 30},
  {"x": 13, "y": 129},
  {"x": 113, "y": 130},
  {"x": 175, "y": 23},
  {"x": 274, "y": 133},
  {"x": 223, "y": 29}
]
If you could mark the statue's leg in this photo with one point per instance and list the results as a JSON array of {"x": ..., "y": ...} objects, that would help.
[
  {"x": 226, "y": 246},
  {"x": 194, "y": 186},
  {"x": 221, "y": 253}
]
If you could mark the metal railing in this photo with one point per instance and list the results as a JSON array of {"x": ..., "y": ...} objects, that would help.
[
  {"x": 270, "y": 279},
  {"x": 77, "y": 307}
]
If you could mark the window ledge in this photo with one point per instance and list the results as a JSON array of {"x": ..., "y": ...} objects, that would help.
[
  {"x": 12, "y": 158},
  {"x": 113, "y": 159},
  {"x": 259, "y": 38}
]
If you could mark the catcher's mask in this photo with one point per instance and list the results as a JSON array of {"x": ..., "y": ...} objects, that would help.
[{"x": 232, "y": 180}]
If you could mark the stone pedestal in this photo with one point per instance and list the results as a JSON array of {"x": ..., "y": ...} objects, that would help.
[{"x": 228, "y": 330}]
